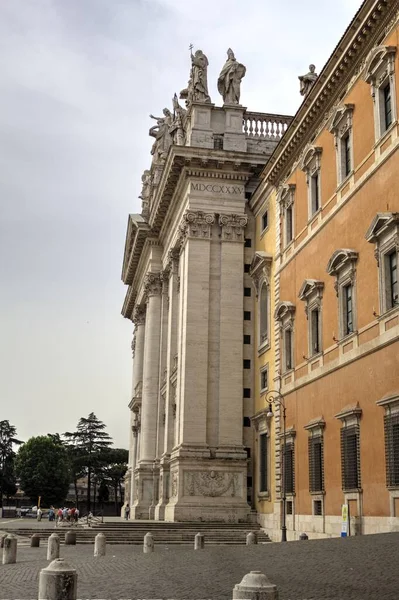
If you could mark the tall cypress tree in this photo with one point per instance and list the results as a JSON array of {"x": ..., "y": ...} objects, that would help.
[{"x": 90, "y": 441}]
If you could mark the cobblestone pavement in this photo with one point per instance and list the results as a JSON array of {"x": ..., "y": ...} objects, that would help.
[{"x": 361, "y": 568}]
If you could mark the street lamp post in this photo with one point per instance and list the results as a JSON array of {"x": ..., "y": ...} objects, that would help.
[{"x": 277, "y": 399}]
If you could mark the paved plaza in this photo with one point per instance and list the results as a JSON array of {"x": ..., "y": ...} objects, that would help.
[{"x": 361, "y": 568}]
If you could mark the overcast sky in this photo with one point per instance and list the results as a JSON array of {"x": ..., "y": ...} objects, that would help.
[{"x": 78, "y": 80}]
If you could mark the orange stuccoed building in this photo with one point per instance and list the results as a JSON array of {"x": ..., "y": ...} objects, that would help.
[{"x": 336, "y": 179}]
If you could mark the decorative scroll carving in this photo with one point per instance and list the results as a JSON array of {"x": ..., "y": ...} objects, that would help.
[
  {"x": 233, "y": 227},
  {"x": 139, "y": 316},
  {"x": 152, "y": 284},
  {"x": 211, "y": 483},
  {"x": 196, "y": 224}
]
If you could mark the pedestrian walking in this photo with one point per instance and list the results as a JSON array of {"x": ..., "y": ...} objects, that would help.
[
  {"x": 76, "y": 515},
  {"x": 39, "y": 514},
  {"x": 127, "y": 512}
]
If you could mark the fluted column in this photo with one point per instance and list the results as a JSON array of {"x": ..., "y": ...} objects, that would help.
[
  {"x": 172, "y": 358},
  {"x": 149, "y": 408}
]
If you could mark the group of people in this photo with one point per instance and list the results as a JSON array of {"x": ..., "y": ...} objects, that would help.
[{"x": 63, "y": 514}]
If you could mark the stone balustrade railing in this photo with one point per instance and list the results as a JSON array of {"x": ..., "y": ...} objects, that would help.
[{"x": 263, "y": 125}]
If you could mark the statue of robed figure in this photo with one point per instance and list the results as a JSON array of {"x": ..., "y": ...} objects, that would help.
[{"x": 230, "y": 77}]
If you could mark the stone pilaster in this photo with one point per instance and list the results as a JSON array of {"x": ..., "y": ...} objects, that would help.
[
  {"x": 231, "y": 332},
  {"x": 150, "y": 391},
  {"x": 170, "y": 383}
]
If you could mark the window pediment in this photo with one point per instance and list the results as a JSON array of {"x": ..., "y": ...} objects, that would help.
[
  {"x": 381, "y": 223},
  {"x": 260, "y": 269},
  {"x": 285, "y": 196},
  {"x": 311, "y": 158},
  {"x": 284, "y": 310},
  {"x": 377, "y": 62},
  {"x": 340, "y": 259},
  {"x": 309, "y": 288},
  {"x": 341, "y": 120},
  {"x": 353, "y": 412}
]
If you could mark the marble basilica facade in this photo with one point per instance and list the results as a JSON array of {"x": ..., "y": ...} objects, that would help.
[{"x": 185, "y": 267}]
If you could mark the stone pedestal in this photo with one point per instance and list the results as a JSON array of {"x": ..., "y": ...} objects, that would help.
[
  {"x": 234, "y": 137},
  {"x": 200, "y": 132},
  {"x": 207, "y": 489}
]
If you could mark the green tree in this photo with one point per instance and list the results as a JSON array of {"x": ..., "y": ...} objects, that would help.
[
  {"x": 90, "y": 441},
  {"x": 7, "y": 458},
  {"x": 114, "y": 471},
  {"x": 43, "y": 467}
]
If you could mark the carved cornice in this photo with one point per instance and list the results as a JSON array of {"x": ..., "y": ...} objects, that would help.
[
  {"x": 347, "y": 58},
  {"x": 233, "y": 227},
  {"x": 196, "y": 225},
  {"x": 152, "y": 284}
]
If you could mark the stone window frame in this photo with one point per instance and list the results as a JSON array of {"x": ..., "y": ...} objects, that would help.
[
  {"x": 342, "y": 266},
  {"x": 263, "y": 369},
  {"x": 384, "y": 233},
  {"x": 311, "y": 165},
  {"x": 262, "y": 427},
  {"x": 315, "y": 429},
  {"x": 286, "y": 199},
  {"x": 285, "y": 315},
  {"x": 311, "y": 293},
  {"x": 341, "y": 126},
  {"x": 379, "y": 71},
  {"x": 260, "y": 273},
  {"x": 289, "y": 441},
  {"x": 390, "y": 404},
  {"x": 350, "y": 418}
]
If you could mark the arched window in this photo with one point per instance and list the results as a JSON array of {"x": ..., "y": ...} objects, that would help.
[{"x": 263, "y": 314}]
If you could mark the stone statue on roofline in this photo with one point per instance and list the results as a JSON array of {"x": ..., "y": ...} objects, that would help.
[
  {"x": 145, "y": 193},
  {"x": 307, "y": 81},
  {"x": 229, "y": 82},
  {"x": 197, "y": 88},
  {"x": 161, "y": 133},
  {"x": 178, "y": 127}
]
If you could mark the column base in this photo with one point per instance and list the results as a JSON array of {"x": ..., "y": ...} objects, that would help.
[
  {"x": 208, "y": 489},
  {"x": 143, "y": 490},
  {"x": 164, "y": 484}
]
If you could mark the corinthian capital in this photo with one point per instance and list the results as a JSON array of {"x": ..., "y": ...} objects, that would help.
[
  {"x": 139, "y": 315},
  {"x": 152, "y": 284},
  {"x": 196, "y": 224},
  {"x": 233, "y": 227}
]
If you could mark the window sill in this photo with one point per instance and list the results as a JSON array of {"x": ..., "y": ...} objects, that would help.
[
  {"x": 315, "y": 356},
  {"x": 347, "y": 338},
  {"x": 314, "y": 216},
  {"x": 288, "y": 246},
  {"x": 385, "y": 134},
  {"x": 317, "y": 494},
  {"x": 352, "y": 491},
  {"x": 388, "y": 313},
  {"x": 263, "y": 232},
  {"x": 263, "y": 347},
  {"x": 263, "y": 495},
  {"x": 288, "y": 372},
  {"x": 345, "y": 180},
  {"x": 264, "y": 391}
]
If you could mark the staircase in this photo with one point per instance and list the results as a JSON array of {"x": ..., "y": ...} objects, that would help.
[{"x": 133, "y": 532}]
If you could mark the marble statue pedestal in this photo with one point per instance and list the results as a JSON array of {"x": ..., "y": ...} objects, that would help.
[{"x": 208, "y": 488}]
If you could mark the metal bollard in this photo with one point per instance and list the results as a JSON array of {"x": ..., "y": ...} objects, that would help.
[
  {"x": 35, "y": 540},
  {"x": 70, "y": 538},
  {"x": 100, "y": 543},
  {"x": 10, "y": 550},
  {"x": 303, "y": 536},
  {"x": 148, "y": 543},
  {"x": 251, "y": 539},
  {"x": 255, "y": 586},
  {"x": 53, "y": 547},
  {"x": 58, "y": 581},
  {"x": 199, "y": 541}
]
